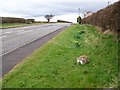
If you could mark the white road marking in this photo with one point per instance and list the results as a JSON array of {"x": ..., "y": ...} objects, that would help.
[
  {"x": 8, "y": 32},
  {"x": 20, "y": 30},
  {"x": 20, "y": 33},
  {"x": 25, "y": 31},
  {"x": 3, "y": 36},
  {"x": 30, "y": 30}
]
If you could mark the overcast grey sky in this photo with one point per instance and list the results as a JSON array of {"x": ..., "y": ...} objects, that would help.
[{"x": 62, "y": 9}]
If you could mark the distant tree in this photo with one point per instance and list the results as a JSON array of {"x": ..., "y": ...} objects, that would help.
[{"x": 48, "y": 17}]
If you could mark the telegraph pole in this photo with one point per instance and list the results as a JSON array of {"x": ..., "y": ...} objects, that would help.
[
  {"x": 108, "y": 3},
  {"x": 79, "y": 18},
  {"x": 79, "y": 12}
]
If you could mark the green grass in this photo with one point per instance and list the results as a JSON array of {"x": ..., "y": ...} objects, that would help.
[
  {"x": 54, "y": 64},
  {"x": 13, "y": 25}
]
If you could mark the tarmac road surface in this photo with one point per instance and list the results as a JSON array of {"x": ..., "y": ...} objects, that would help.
[{"x": 14, "y": 38}]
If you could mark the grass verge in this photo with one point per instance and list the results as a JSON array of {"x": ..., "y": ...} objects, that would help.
[
  {"x": 54, "y": 64},
  {"x": 13, "y": 25}
]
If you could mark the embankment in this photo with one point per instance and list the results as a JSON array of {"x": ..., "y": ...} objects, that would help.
[{"x": 107, "y": 18}]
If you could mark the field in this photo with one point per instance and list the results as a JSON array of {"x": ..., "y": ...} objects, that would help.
[
  {"x": 13, "y": 25},
  {"x": 54, "y": 64}
]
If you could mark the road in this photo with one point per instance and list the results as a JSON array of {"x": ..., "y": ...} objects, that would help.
[
  {"x": 16, "y": 37},
  {"x": 18, "y": 43}
]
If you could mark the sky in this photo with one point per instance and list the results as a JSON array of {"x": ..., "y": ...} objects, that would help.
[{"x": 67, "y": 10}]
